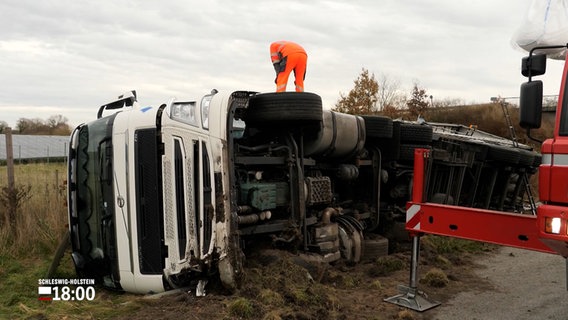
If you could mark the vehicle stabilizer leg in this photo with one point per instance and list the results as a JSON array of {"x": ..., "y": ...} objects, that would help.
[{"x": 410, "y": 297}]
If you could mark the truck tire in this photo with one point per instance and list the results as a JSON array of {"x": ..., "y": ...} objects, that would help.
[
  {"x": 537, "y": 160},
  {"x": 415, "y": 133},
  {"x": 503, "y": 154},
  {"x": 284, "y": 109},
  {"x": 378, "y": 126},
  {"x": 536, "y": 164},
  {"x": 526, "y": 158},
  {"x": 389, "y": 147},
  {"x": 407, "y": 151}
]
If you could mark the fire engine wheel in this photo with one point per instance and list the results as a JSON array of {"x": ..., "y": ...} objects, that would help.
[
  {"x": 378, "y": 126},
  {"x": 415, "y": 133},
  {"x": 284, "y": 108}
]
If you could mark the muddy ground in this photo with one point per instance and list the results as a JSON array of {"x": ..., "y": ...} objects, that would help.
[{"x": 280, "y": 285}]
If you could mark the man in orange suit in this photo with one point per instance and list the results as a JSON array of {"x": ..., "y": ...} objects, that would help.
[{"x": 287, "y": 56}]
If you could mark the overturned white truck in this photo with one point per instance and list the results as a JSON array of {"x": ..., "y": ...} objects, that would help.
[{"x": 162, "y": 196}]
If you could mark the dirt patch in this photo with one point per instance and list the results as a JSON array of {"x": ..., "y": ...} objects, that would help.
[{"x": 281, "y": 285}]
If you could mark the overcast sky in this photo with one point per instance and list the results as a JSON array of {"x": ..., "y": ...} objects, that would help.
[{"x": 68, "y": 57}]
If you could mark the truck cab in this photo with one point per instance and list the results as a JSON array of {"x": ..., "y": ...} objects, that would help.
[{"x": 144, "y": 183}]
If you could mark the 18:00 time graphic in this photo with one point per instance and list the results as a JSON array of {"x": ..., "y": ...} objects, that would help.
[
  {"x": 50, "y": 291},
  {"x": 79, "y": 293}
]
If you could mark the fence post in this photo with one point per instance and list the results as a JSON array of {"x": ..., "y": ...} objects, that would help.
[{"x": 11, "y": 182}]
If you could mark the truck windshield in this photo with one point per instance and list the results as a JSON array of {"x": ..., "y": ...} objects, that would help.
[{"x": 93, "y": 221}]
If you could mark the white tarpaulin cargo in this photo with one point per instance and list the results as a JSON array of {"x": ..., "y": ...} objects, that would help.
[{"x": 545, "y": 24}]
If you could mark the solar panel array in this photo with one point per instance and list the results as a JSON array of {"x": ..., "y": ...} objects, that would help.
[{"x": 35, "y": 147}]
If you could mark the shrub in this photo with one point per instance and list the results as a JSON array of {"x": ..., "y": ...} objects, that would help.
[
  {"x": 435, "y": 278},
  {"x": 385, "y": 266}
]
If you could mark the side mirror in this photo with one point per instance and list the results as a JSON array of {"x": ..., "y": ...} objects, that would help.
[
  {"x": 530, "y": 105},
  {"x": 533, "y": 65}
]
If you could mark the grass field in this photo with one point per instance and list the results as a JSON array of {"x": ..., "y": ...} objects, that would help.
[
  {"x": 41, "y": 215},
  {"x": 26, "y": 255}
]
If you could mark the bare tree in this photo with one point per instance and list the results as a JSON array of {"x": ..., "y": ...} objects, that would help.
[
  {"x": 58, "y": 125},
  {"x": 54, "y": 125},
  {"x": 389, "y": 94},
  {"x": 23, "y": 125},
  {"x": 447, "y": 102}
]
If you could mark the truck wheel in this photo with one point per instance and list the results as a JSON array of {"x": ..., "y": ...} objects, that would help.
[
  {"x": 389, "y": 147},
  {"x": 378, "y": 126},
  {"x": 503, "y": 154},
  {"x": 415, "y": 133},
  {"x": 537, "y": 160},
  {"x": 284, "y": 108},
  {"x": 526, "y": 158}
]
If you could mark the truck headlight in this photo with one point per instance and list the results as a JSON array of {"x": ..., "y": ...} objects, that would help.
[
  {"x": 184, "y": 112},
  {"x": 205, "y": 110},
  {"x": 552, "y": 225}
]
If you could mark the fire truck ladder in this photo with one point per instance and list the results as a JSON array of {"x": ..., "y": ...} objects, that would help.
[{"x": 526, "y": 182}]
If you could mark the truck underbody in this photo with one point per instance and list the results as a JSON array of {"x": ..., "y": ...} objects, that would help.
[{"x": 272, "y": 169}]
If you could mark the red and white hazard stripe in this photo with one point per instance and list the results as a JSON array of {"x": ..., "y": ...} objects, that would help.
[{"x": 412, "y": 217}]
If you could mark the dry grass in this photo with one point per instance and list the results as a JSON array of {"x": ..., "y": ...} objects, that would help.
[
  {"x": 435, "y": 278},
  {"x": 241, "y": 308},
  {"x": 490, "y": 118},
  {"x": 42, "y": 218}
]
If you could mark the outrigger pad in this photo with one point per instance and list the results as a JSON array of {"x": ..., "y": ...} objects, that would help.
[{"x": 412, "y": 298}]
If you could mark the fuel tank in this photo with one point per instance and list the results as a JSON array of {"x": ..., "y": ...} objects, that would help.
[{"x": 340, "y": 135}]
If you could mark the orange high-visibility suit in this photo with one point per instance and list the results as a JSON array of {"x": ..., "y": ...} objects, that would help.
[{"x": 287, "y": 56}]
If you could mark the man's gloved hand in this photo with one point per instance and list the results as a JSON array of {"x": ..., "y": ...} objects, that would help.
[{"x": 280, "y": 66}]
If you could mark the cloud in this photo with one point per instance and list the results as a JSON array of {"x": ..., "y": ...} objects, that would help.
[{"x": 72, "y": 56}]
